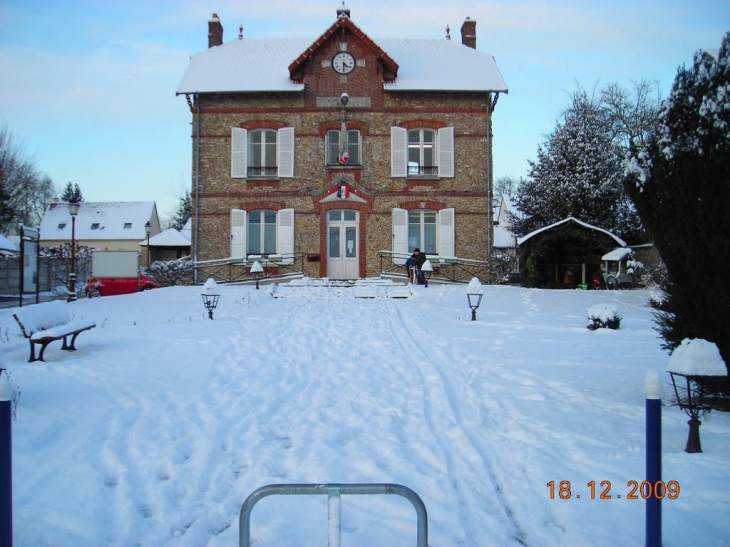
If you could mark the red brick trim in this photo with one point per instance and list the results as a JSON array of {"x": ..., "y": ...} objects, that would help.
[
  {"x": 262, "y": 124},
  {"x": 433, "y": 205},
  {"x": 258, "y": 205},
  {"x": 428, "y": 124}
]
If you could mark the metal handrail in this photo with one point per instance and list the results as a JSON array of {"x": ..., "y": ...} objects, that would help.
[
  {"x": 333, "y": 491},
  {"x": 232, "y": 270},
  {"x": 446, "y": 269}
]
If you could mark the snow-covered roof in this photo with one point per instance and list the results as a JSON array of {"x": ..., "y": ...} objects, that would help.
[
  {"x": 7, "y": 246},
  {"x": 187, "y": 230},
  {"x": 441, "y": 65},
  {"x": 261, "y": 64},
  {"x": 503, "y": 238},
  {"x": 118, "y": 220},
  {"x": 617, "y": 254},
  {"x": 617, "y": 239},
  {"x": 168, "y": 238}
]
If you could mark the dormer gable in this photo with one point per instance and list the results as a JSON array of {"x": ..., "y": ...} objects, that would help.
[{"x": 343, "y": 25}]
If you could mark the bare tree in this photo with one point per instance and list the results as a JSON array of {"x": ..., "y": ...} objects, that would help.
[{"x": 29, "y": 191}]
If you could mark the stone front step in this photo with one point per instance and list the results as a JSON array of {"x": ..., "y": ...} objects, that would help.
[{"x": 361, "y": 288}]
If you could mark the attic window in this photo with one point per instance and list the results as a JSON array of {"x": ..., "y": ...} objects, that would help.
[
  {"x": 61, "y": 225},
  {"x": 95, "y": 226},
  {"x": 127, "y": 225}
]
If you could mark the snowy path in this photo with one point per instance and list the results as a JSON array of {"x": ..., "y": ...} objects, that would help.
[{"x": 159, "y": 427}]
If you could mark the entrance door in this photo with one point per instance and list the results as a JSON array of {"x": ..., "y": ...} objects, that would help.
[{"x": 342, "y": 238}]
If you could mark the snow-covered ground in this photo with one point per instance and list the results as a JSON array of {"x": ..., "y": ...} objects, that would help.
[{"x": 157, "y": 429}]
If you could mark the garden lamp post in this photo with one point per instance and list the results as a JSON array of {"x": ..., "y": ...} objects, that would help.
[
  {"x": 257, "y": 270},
  {"x": 427, "y": 270},
  {"x": 211, "y": 295},
  {"x": 148, "y": 229},
  {"x": 696, "y": 369},
  {"x": 73, "y": 210},
  {"x": 474, "y": 293}
]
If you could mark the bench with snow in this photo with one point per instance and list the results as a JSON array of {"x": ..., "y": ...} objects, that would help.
[{"x": 43, "y": 323}]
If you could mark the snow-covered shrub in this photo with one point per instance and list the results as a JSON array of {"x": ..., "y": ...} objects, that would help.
[
  {"x": 603, "y": 316},
  {"x": 169, "y": 272}
]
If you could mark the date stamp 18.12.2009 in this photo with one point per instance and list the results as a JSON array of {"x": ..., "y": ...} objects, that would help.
[{"x": 602, "y": 490}]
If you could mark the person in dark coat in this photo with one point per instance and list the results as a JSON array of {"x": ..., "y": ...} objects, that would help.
[{"x": 418, "y": 260}]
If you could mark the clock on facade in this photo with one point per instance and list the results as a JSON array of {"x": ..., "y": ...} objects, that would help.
[{"x": 343, "y": 62}]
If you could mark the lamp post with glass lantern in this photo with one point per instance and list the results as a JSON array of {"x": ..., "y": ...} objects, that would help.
[
  {"x": 73, "y": 210},
  {"x": 211, "y": 295},
  {"x": 257, "y": 270},
  {"x": 697, "y": 372},
  {"x": 474, "y": 293},
  {"x": 148, "y": 229}
]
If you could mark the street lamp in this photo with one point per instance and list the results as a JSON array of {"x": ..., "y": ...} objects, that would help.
[
  {"x": 257, "y": 270},
  {"x": 695, "y": 366},
  {"x": 427, "y": 269},
  {"x": 148, "y": 229},
  {"x": 73, "y": 210},
  {"x": 210, "y": 294},
  {"x": 474, "y": 293}
]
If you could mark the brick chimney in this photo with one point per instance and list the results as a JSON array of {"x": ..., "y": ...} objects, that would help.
[
  {"x": 469, "y": 33},
  {"x": 215, "y": 31}
]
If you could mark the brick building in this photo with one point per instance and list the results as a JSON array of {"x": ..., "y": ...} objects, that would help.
[{"x": 341, "y": 146}]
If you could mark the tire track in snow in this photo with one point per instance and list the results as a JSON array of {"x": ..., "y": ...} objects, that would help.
[{"x": 440, "y": 397}]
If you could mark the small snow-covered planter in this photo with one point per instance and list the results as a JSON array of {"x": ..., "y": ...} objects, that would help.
[{"x": 603, "y": 316}]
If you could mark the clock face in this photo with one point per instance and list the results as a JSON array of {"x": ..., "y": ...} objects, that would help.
[{"x": 343, "y": 62}]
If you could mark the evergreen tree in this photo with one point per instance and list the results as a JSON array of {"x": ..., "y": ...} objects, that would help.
[
  {"x": 183, "y": 211},
  {"x": 72, "y": 193},
  {"x": 578, "y": 173},
  {"x": 680, "y": 183}
]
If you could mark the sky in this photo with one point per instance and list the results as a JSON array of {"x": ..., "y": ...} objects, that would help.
[
  {"x": 89, "y": 87},
  {"x": 162, "y": 423}
]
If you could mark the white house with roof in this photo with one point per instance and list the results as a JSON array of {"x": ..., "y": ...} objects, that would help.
[
  {"x": 109, "y": 226},
  {"x": 340, "y": 147}
]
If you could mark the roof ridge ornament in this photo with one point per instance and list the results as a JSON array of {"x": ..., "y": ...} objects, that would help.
[{"x": 343, "y": 11}]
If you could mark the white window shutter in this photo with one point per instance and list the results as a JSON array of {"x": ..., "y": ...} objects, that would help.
[
  {"x": 398, "y": 152},
  {"x": 446, "y": 233},
  {"x": 285, "y": 235},
  {"x": 446, "y": 152},
  {"x": 238, "y": 233},
  {"x": 285, "y": 152},
  {"x": 239, "y": 151},
  {"x": 400, "y": 234}
]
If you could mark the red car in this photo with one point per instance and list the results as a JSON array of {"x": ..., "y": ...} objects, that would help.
[{"x": 112, "y": 286}]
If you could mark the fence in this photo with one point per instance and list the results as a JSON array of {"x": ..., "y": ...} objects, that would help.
[
  {"x": 238, "y": 270},
  {"x": 445, "y": 269}
]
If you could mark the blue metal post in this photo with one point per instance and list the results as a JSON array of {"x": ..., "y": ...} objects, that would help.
[
  {"x": 6, "y": 465},
  {"x": 654, "y": 461}
]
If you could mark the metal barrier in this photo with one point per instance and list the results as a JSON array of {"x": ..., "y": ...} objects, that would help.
[
  {"x": 445, "y": 269},
  {"x": 237, "y": 270},
  {"x": 333, "y": 491}
]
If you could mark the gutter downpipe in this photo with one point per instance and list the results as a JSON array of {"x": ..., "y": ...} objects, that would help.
[{"x": 196, "y": 251}]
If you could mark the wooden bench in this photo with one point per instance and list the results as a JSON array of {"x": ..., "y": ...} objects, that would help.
[{"x": 43, "y": 323}]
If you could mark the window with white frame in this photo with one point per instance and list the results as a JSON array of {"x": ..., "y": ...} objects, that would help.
[
  {"x": 334, "y": 147},
  {"x": 422, "y": 152},
  {"x": 422, "y": 230},
  {"x": 262, "y": 152},
  {"x": 429, "y": 230},
  {"x": 262, "y": 232}
]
